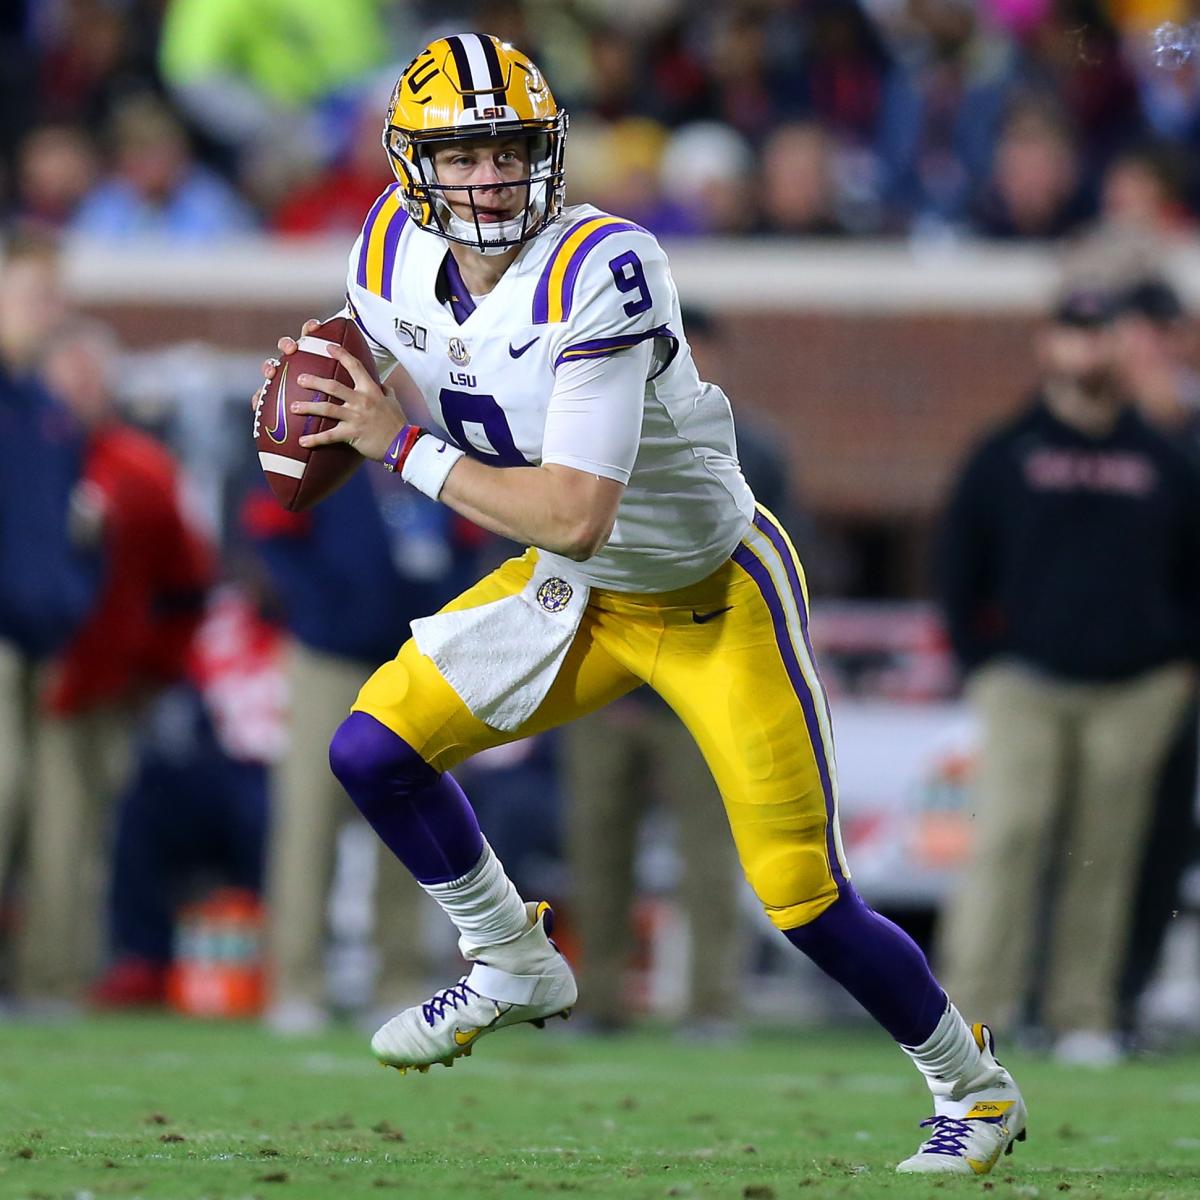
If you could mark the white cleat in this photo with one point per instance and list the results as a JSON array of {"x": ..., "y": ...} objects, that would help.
[
  {"x": 526, "y": 980},
  {"x": 972, "y": 1132}
]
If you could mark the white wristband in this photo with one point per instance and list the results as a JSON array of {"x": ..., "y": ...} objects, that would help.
[{"x": 428, "y": 463}]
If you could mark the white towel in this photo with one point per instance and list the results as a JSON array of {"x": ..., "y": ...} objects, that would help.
[{"x": 502, "y": 657}]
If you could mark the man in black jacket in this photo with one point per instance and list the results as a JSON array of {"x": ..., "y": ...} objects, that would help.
[{"x": 1070, "y": 576}]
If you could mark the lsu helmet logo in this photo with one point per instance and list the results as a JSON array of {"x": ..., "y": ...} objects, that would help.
[{"x": 461, "y": 88}]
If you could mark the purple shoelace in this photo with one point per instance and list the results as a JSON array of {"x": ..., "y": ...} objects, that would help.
[
  {"x": 451, "y": 997},
  {"x": 949, "y": 1135}
]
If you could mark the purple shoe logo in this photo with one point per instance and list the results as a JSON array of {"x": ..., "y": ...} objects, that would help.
[{"x": 278, "y": 431}]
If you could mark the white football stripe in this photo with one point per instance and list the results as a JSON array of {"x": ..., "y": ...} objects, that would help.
[
  {"x": 279, "y": 464},
  {"x": 480, "y": 75},
  {"x": 312, "y": 345}
]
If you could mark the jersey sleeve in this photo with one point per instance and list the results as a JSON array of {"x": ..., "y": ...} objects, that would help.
[
  {"x": 370, "y": 273},
  {"x": 609, "y": 299},
  {"x": 607, "y": 288}
]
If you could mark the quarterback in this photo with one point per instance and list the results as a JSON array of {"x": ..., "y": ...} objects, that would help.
[{"x": 547, "y": 344}]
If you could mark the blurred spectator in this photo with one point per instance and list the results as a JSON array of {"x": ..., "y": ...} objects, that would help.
[
  {"x": 708, "y": 174},
  {"x": 944, "y": 99},
  {"x": 1035, "y": 188},
  {"x": 845, "y": 61},
  {"x": 1145, "y": 191},
  {"x": 95, "y": 55},
  {"x": 1075, "y": 53},
  {"x": 56, "y": 167},
  {"x": 49, "y": 567},
  {"x": 616, "y": 88},
  {"x": 195, "y": 815},
  {"x": 337, "y": 200},
  {"x": 751, "y": 86},
  {"x": 1070, "y": 575},
  {"x": 249, "y": 72},
  {"x": 156, "y": 188},
  {"x": 135, "y": 640},
  {"x": 378, "y": 554},
  {"x": 798, "y": 193},
  {"x": 1154, "y": 349},
  {"x": 617, "y": 167}
]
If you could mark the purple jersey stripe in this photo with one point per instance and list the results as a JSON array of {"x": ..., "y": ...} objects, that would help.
[
  {"x": 462, "y": 304},
  {"x": 368, "y": 225},
  {"x": 541, "y": 294},
  {"x": 757, "y": 570},
  {"x": 391, "y": 239},
  {"x": 582, "y": 251},
  {"x": 600, "y": 347}
]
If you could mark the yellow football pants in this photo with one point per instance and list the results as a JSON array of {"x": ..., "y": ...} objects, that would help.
[{"x": 730, "y": 655}]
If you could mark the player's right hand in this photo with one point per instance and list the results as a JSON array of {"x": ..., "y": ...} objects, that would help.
[{"x": 287, "y": 345}]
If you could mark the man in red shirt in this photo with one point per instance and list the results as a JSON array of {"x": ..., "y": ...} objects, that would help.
[{"x": 135, "y": 641}]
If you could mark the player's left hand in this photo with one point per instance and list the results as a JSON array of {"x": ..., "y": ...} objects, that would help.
[{"x": 368, "y": 418}]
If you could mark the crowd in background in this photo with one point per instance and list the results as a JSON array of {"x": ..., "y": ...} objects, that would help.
[{"x": 1008, "y": 119}]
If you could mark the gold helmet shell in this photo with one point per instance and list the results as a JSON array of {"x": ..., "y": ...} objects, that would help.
[{"x": 464, "y": 87}]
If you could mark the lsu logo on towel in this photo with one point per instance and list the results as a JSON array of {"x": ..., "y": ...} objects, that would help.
[{"x": 555, "y": 594}]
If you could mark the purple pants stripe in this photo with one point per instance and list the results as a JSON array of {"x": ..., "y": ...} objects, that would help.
[
  {"x": 766, "y": 524},
  {"x": 758, "y": 571}
]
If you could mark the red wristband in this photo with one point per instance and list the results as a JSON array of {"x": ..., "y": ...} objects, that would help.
[{"x": 401, "y": 447}]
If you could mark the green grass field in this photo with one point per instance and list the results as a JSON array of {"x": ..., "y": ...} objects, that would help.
[{"x": 160, "y": 1108}]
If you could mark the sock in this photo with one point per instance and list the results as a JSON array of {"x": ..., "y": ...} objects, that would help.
[
  {"x": 950, "y": 1059},
  {"x": 878, "y": 964},
  {"x": 422, "y": 816},
  {"x": 484, "y": 905}
]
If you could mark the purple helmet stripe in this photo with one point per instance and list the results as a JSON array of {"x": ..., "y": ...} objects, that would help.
[
  {"x": 368, "y": 226},
  {"x": 757, "y": 570},
  {"x": 466, "y": 82}
]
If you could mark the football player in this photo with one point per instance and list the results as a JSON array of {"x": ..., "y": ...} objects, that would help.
[{"x": 547, "y": 344}]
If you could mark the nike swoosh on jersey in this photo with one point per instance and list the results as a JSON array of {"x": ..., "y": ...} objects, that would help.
[
  {"x": 517, "y": 351},
  {"x": 704, "y": 618}
]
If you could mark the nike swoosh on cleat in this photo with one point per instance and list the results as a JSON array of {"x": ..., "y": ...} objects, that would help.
[
  {"x": 704, "y": 618},
  {"x": 465, "y": 1039},
  {"x": 516, "y": 351}
]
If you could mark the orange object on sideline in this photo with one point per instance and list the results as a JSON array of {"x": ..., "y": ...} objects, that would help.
[{"x": 218, "y": 969}]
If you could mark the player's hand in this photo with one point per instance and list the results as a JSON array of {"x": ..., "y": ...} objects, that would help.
[
  {"x": 286, "y": 345},
  {"x": 368, "y": 418}
]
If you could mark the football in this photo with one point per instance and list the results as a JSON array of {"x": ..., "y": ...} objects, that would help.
[{"x": 300, "y": 476}]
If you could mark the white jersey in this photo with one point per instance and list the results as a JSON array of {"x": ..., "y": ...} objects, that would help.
[{"x": 537, "y": 372}]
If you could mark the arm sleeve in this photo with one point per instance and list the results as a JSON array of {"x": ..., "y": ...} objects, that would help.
[{"x": 594, "y": 420}]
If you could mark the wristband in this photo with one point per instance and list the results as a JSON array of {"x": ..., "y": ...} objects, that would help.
[
  {"x": 401, "y": 447},
  {"x": 427, "y": 464}
]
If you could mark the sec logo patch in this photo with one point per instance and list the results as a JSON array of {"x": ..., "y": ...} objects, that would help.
[{"x": 555, "y": 594}]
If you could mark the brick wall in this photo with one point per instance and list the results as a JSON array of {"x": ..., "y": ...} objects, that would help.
[{"x": 876, "y": 411}]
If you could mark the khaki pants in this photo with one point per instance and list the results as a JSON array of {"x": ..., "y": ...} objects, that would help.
[
  {"x": 1066, "y": 783},
  {"x": 618, "y": 762},
  {"x": 80, "y": 764},
  {"x": 16, "y": 743},
  {"x": 307, "y": 808}
]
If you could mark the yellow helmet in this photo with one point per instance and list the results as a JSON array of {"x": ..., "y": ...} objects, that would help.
[{"x": 463, "y": 87}]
